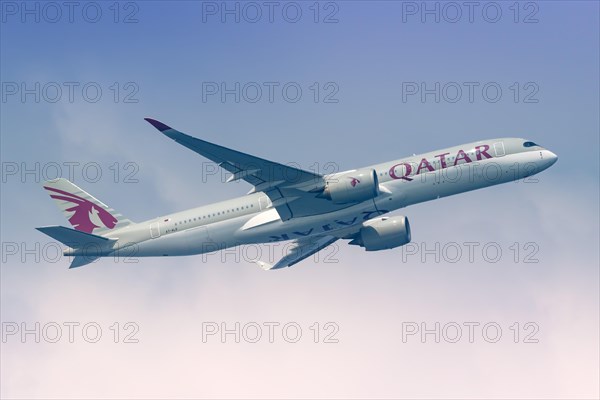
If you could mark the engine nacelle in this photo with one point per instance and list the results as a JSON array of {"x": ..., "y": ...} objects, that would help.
[
  {"x": 352, "y": 187},
  {"x": 383, "y": 233}
]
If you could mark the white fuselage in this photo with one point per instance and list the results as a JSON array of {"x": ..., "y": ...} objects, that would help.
[{"x": 252, "y": 219}]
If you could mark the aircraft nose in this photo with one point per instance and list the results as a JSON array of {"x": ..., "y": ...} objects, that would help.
[{"x": 549, "y": 158}]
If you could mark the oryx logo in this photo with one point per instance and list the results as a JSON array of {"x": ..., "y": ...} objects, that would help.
[
  {"x": 354, "y": 181},
  {"x": 87, "y": 216}
]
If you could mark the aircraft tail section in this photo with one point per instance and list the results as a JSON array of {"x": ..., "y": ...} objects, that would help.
[
  {"x": 84, "y": 212},
  {"x": 86, "y": 247}
]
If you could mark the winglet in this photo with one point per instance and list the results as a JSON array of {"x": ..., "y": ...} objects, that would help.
[{"x": 158, "y": 125}]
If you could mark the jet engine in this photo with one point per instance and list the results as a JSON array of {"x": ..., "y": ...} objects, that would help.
[
  {"x": 383, "y": 233},
  {"x": 352, "y": 187}
]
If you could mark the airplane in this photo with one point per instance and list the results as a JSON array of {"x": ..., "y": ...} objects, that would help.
[{"x": 308, "y": 209}]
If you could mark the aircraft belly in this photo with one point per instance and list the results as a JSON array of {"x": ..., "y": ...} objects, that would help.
[{"x": 301, "y": 227}]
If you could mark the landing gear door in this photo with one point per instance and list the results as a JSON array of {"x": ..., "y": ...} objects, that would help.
[{"x": 499, "y": 149}]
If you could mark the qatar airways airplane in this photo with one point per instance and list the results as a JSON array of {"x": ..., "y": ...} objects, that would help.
[{"x": 290, "y": 204}]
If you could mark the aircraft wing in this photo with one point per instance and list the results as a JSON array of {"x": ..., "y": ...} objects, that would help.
[
  {"x": 301, "y": 249},
  {"x": 292, "y": 191}
]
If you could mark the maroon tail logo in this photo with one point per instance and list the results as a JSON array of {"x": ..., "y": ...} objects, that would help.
[
  {"x": 83, "y": 212},
  {"x": 354, "y": 181}
]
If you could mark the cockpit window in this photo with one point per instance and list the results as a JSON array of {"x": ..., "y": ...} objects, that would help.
[{"x": 529, "y": 144}]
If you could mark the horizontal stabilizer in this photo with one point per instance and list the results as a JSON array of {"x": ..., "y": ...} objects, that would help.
[
  {"x": 80, "y": 261},
  {"x": 74, "y": 238}
]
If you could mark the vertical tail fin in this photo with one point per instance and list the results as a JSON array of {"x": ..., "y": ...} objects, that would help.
[{"x": 84, "y": 212}]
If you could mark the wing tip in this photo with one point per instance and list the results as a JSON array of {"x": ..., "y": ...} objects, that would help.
[
  {"x": 41, "y": 228},
  {"x": 157, "y": 124},
  {"x": 264, "y": 265}
]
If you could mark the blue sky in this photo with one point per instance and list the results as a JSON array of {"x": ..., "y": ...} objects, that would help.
[{"x": 363, "y": 61}]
